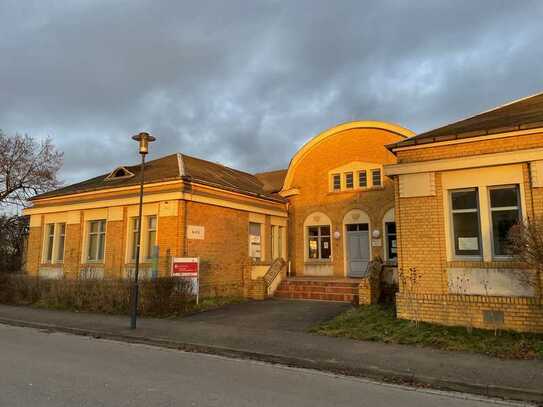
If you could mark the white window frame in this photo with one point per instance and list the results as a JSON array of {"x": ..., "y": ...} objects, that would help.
[
  {"x": 51, "y": 243},
  {"x": 319, "y": 242},
  {"x": 518, "y": 208},
  {"x": 351, "y": 174},
  {"x": 148, "y": 243},
  {"x": 373, "y": 171},
  {"x": 365, "y": 172},
  {"x": 452, "y": 211},
  {"x": 333, "y": 178},
  {"x": 88, "y": 240},
  {"x": 252, "y": 242}
]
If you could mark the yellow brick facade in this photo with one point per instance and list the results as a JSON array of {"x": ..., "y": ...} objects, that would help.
[
  {"x": 309, "y": 177},
  {"x": 423, "y": 239},
  {"x": 224, "y": 252}
]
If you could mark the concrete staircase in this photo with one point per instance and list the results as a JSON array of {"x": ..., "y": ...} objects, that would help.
[{"x": 319, "y": 288}]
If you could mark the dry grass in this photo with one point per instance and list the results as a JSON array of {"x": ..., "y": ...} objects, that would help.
[{"x": 379, "y": 323}]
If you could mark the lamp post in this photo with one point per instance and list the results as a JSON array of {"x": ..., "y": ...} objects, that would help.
[{"x": 143, "y": 139}]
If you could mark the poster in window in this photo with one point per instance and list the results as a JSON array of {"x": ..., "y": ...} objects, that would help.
[
  {"x": 254, "y": 239},
  {"x": 325, "y": 245},
  {"x": 255, "y": 251},
  {"x": 468, "y": 243}
]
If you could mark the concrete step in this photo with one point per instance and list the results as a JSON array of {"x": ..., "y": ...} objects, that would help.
[{"x": 343, "y": 290}]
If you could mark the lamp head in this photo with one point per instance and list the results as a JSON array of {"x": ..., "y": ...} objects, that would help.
[{"x": 143, "y": 139}]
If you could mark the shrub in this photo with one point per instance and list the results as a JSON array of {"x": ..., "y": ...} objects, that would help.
[{"x": 160, "y": 297}]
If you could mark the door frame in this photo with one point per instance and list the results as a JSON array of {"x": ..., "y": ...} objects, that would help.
[
  {"x": 353, "y": 216},
  {"x": 347, "y": 238}
]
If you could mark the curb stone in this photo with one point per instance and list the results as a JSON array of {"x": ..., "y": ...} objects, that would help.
[{"x": 371, "y": 372}]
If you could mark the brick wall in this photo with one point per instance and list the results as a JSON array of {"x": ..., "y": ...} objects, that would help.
[
  {"x": 496, "y": 145},
  {"x": 421, "y": 236},
  {"x": 519, "y": 314},
  {"x": 224, "y": 251},
  {"x": 33, "y": 257},
  {"x": 311, "y": 178}
]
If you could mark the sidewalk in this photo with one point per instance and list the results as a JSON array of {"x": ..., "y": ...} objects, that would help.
[{"x": 215, "y": 333}]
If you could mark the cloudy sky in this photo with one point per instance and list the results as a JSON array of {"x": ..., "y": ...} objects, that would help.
[{"x": 246, "y": 83}]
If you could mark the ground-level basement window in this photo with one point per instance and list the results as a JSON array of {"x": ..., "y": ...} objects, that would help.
[{"x": 319, "y": 244}]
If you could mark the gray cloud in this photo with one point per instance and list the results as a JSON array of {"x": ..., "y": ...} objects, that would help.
[{"x": 246, "y": 83}]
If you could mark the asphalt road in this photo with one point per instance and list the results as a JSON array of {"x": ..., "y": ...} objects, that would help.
[{"x": 51, "y": 369}]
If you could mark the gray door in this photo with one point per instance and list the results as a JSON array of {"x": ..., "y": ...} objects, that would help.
[{"x": 358, "y": 252}]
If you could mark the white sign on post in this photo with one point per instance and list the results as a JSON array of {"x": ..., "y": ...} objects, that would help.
[{"x": 188, "y": 268}]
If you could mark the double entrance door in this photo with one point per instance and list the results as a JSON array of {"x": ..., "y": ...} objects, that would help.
[{"x": 358, "y": 249}]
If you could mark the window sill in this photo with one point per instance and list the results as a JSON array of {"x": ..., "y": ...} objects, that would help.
[
  {"x": 357, "y": 190},
  {"x": 318, "y": 262}
]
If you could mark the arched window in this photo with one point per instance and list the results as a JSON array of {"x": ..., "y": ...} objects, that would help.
[{"x": 318, "y": 237}]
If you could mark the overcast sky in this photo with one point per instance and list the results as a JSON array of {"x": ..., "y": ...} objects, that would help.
[{"x": 246, "y": 83}]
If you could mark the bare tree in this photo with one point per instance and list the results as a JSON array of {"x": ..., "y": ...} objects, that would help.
[
  {"x": 13, "y": 238},
  {"x": 27, "y": 167},
  {"x": 525, "y": 241}
]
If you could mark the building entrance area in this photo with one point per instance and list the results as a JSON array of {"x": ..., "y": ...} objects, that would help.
[{"x": 358, "y": 249}]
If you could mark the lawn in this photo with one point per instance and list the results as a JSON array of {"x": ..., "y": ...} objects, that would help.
[{"x": 378, "y": 323}]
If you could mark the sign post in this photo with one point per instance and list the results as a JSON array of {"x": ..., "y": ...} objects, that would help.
[{"x": 188, "y": 268}]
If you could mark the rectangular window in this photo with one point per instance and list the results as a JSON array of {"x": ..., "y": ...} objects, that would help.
[
  {"x": 255, "y": 243},
  {"x": 363, "y": 179},
  {"x": 319, "y": 244},
  {"x": 376, "y": 177},
  {"x": 392, "y": 252},
  {"x": 505, "y": 211},
  {"x": 336, "y": 182},
  {"x": 151, "y": 236},
  {"x": 49, "y": 241},
  {"x": 96, "y": 240},
  {"x": 349, "y": 182},
  {"x": 61, "y": 229},
  {"x": 135, "y": 239},
  {"x": 465, "y": 222}
]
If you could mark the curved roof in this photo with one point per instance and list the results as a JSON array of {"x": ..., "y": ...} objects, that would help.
[{"x": 315, "y": 141}]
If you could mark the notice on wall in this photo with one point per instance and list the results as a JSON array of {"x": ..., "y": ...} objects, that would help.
[
  {"x": 195, "y": 232},
  {"x": 468, "y": 243},
  {"x": 376, "y": 242}
]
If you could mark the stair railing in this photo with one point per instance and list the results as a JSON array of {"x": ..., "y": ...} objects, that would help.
[{"x": 273, "y": 276}]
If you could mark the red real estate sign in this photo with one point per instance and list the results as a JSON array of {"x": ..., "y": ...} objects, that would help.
[{"x": 185, "y": 267}]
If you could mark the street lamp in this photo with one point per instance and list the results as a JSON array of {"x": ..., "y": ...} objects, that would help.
[{"x": 143, "y": 139}]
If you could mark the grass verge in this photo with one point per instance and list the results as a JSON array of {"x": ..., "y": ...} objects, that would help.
[{"x": 378, "y": 323}]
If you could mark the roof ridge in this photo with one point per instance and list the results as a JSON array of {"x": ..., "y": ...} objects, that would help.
[
  {"x": 216, "y": 163},
  {"x": 480, "y": 113}
]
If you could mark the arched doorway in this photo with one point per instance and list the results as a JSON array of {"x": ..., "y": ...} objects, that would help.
[{"x": 357, "y": 249}]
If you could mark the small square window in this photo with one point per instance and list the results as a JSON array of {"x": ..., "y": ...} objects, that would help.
[
  {"x": 336, "y": 182},
  {"x": 349, "y": 181},
  {"x": 376, "y": 177},
  {"x": 363, "y": 179}
]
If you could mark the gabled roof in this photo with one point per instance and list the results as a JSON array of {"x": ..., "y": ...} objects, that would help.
[
  {"x": 520, "y": 114},
  {"x": 174, "y": 167}
]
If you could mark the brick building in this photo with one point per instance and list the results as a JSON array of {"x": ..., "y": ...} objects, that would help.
[
  {"x": 192, "y": 207},
  {"x": 328, "y": 215},
  {"x": 459, "y": 189}
]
